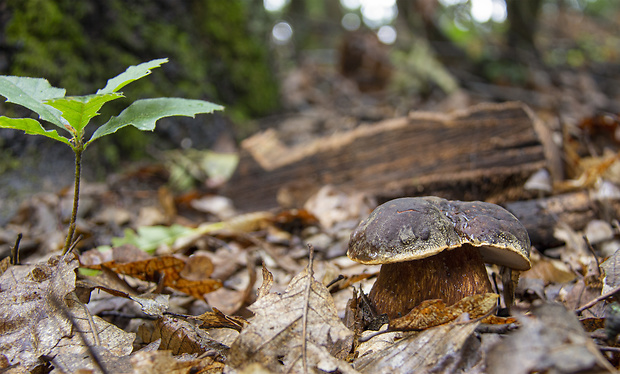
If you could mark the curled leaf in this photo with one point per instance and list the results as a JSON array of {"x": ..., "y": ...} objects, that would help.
[{"x": 434, "y": 312}]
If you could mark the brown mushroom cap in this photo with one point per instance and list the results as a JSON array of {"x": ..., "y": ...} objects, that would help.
[{"x": 413, "y": 228}]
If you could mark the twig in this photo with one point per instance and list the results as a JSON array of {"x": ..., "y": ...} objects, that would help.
[
  {"x": 368, "y": 337},
  {"x": 304, "y": 332},
  {"x": 494, "y": 278},
  {"x": 91, "y": 324},
  {"x": 609, "y": 349},
  {"x": 339, "y": 278},
  {"x": 596, "y": 300},
  {"x": 15, "y": 250},
  {"x": 117, "y": 314},
  {"x": 593, "y": 253},
  {"x": 72, "y": 247}
]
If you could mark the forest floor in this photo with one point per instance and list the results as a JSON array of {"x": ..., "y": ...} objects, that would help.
[{"x": 164, "y": 281}]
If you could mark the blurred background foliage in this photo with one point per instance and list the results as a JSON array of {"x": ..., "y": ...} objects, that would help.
[{"x": 237, "y": 52}]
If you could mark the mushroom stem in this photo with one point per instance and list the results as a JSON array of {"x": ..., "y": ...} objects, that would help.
[{"x": 450, "y": 276}]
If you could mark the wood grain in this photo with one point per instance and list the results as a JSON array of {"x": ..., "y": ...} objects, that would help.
[{"x": 483, "y": 153}]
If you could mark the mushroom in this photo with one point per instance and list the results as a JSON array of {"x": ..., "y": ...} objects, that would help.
[{"x": 433, "y": 248}]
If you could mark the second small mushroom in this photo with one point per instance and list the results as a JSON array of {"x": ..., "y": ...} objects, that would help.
[{"x": 433, "y": 248}]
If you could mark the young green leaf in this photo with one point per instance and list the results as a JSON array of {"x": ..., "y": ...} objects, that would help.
[
  {"x": 131, "y": 74},
  {"x": 31, "y": 126},
  {"x": 78, "y": 110},
  {"x": 149, "y": 238},
  {"x": 143, "y": 114},
  {"x": 30, "y": 93}
]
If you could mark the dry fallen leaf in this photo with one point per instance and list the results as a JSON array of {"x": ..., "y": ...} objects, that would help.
[
  {"x": 39, "y": 217},
  {"x": 277, "y": 335},
  {"x": 197, "y": 267},
  {"x": 332, "y": 206},
  {"x": 167, "y": 268},
  {"x": 158, "y": 362},
  {"x": 611, "y": 267},
  {"x": 79, "y": 362},
  {"x": 217, "y": 319},
  {"x": 5, "y": 264},
  {"x": 552, "y": 341},
  {"x": 434, "y": 312},
  {"x": 579, "y": 294},
  {"x": 548, "y": 270},
  {"x": 109, "y": 281},
  {"x": 180, "y": 336},
  {"x": 442, "y": 349},
  {"x": 264, "y": 288},
  {"x": 34, "y": 317}
]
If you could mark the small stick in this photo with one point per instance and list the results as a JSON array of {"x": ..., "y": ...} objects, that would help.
[
  {"x": 72, "y": 246},
  {"x": 304, "y": 332},
  {"x": 609, "y": 349},
  {"x": 596, "y": 300},
  {"x": 591, "y": 249},
  {"x": 15, "y": 250},
  {"x": 338, "y": 278},
  {"x": 367, "y": 338},
  {"x": 494, "y": 278}
]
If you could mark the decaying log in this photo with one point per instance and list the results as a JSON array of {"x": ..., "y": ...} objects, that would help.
[
  {"x": 541, "y": 216},
  {"x": 482, "y": 153}
]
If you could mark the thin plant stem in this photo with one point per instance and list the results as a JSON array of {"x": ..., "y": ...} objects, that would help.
[{"x": 76, "y": 197}]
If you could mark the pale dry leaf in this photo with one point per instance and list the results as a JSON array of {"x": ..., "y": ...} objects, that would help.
[
  {"x": 152, "y": 304},
  {"x": 225, "y": 299},
  {"x": 575, "y": 252},
  {"x": 158, "y": 362},
  {"x": 30, "y": 322},
  {"x": 82, "y": 362},
  {"x": 611, "y": 267},
  {"x": 580, "y": 293},
  {"x": 598, "y": 231},
  {"x": 265, "y": 287},
  {"x": 442, "y": 349},
  {"x": 34, "y": 317},
  {"x": 274, "y": 336},
  {"x": 115, "y": 341},
  {"x": 552, "y": 341},
  {"x": 333, "y": 206},
  {"x": 39, "y": 217},
  {"x": 549, "y": 270},
  {"x": 254, "y": 368},
  {"x": 239, "y": 293},
  {"x": 377, "y": 342}
]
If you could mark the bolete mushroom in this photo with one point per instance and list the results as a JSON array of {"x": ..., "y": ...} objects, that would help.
[{"x": 433, "y": 248}]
